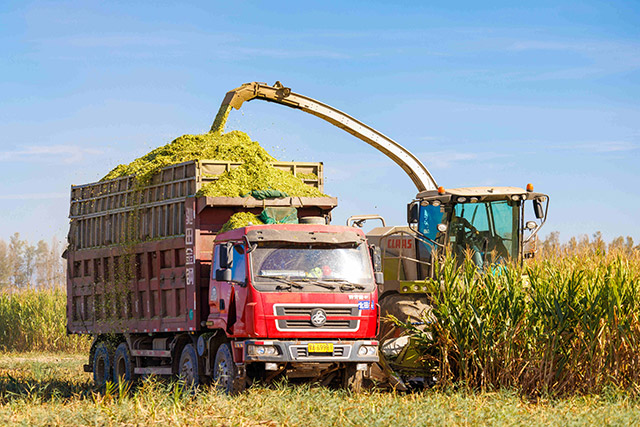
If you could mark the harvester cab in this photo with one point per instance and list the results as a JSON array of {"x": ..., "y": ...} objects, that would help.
[
  {"x": 487, "y": 224},
  {"x": 491, "y": 222}
]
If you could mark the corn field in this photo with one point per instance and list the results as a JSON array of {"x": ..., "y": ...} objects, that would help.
[
  {"x": 36, "y": 320},
  {"x": 568, "y": 323}
]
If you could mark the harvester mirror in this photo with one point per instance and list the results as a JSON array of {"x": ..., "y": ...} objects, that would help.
[
  {"x": 537, "y": 208},
  {"x": 413, "y": 212},
  {"x": 239, "y": 247}
]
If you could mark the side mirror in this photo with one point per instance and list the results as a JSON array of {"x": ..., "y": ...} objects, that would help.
[
  {"x": 376, "y": 258},
  {"x": 226, "y": 255},
  {"x": 379, "y": 276},
  {"x": 413, "y": 210},
  {"x": 223, "y": 275},
  {"x": 537, "y": 208}
]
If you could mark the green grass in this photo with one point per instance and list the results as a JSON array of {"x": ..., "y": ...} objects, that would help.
[{"x": 51, "y": 389}]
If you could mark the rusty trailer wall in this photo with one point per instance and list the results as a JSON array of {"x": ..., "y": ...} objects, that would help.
[{"x": 151, "y": 286}]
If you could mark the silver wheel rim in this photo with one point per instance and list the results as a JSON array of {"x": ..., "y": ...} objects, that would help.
[
  {"x": 186, "y": 370},
  {"x": 223, "y": 374}
]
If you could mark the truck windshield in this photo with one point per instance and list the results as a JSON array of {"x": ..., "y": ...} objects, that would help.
[
  {"x": 313, "y": 264},
  {"x": 489, "y": 230}
]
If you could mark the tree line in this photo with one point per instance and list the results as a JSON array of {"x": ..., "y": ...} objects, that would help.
[
  {"x": 23, "y": 264},
  {"x": 551, "y": 245}
]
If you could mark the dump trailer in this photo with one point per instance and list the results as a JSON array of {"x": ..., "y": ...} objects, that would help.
[{"x": 163, "y": 292}]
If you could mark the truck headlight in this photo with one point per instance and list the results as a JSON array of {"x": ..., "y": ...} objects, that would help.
[
  {"x": 261, "y": 350},
  {"x": 367, "y": 350}
]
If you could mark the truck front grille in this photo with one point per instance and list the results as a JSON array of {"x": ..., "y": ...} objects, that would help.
[{"x": 302, "y": 317}]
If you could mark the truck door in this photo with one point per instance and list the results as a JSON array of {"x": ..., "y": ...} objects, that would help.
[{"x": 228, "y": 290}]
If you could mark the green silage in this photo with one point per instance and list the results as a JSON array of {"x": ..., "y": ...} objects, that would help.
[
  {"x": 256, "y": 172},
  {"x": 241, "y": 219},
  {"x": 307, "y": 176},
  {"x": 234, "y": 146},
  {"x": 257, "y": 175}
]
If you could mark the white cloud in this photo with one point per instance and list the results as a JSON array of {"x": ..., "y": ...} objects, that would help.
[
  {"x": 55, "y": 153},
  {"x": 289, "y": 53},
  {"x": 606, "y": 146}
]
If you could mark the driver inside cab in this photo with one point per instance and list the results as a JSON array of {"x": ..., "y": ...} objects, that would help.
[{"x": 484, "y": 245}]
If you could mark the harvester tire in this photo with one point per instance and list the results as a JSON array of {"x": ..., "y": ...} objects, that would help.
[{"x": 405, "y": 307}]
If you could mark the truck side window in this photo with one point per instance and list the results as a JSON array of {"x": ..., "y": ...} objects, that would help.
[
  {"x": 215, "y": 260},
  {"x": 239, "y": 266}
]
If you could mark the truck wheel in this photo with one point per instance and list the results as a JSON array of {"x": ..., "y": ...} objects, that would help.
[
  {"x": 102, "y": 364},
  {"x": 352, "y": 378},
  {"x": 123, "y": 364},
  {"x": 225, "y": 373},
  {"x": 188, "y": 369}
]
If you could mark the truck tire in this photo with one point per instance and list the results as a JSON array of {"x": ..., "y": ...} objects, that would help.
[
  {"x": 188, "y": 369},
  {"x": 225, "y": 373},
  {"x": 123, "y": 364},
  {"x": 102, "y": 364},
  {"x": 352, "y": 378}
]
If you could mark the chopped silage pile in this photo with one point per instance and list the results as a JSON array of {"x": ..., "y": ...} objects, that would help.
[
  {"x": 234, "y": 146},
  {"x": 255, "y": 174},
  {"x": 241, "y": 219}
]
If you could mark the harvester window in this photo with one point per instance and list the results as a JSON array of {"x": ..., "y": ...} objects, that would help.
[{"x": 487, "y": 229}]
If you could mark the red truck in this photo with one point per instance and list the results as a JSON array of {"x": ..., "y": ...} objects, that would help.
[{"x": 163, "y": 292}]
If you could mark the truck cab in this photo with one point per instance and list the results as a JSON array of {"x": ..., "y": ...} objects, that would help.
[{"x": 296, "y": 299}]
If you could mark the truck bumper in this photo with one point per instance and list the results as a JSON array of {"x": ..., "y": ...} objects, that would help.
[{"x": 308, "y": 351}]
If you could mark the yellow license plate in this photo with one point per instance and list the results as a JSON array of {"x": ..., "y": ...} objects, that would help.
[{"x": 320, "y": 347}]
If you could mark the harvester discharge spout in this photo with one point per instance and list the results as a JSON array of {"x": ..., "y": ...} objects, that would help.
[{"x": 279, "y": 94}]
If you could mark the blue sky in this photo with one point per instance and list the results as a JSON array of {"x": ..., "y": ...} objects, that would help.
[{"x": 496, "y": 94}]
